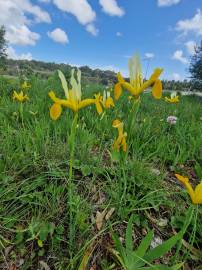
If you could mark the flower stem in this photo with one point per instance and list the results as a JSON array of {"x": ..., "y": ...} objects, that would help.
[
  {"x": 71, "y": 184},
  {"x": 187, "y": 222},
  {"x": 124, "y": 187},
  {"x": 132, "y": 118},
  {"x": 21, "y": 113}
]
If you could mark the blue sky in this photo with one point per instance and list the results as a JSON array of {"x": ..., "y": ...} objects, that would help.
[{"x": 104, "y": 33}]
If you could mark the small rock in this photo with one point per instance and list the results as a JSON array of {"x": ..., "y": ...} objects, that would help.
[
  {"x": 155, "y": 171},
  {"x": 162, "y": 222},
  {"x": 156, "y": 242}
]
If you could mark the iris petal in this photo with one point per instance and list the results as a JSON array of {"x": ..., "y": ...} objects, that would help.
[
  {"x": 117, "y": 91},
  {"x": 198, "y": 194},
  {"x": 120, "y": 78},
  {"x": 157, "y": 89},
  {"x": 86, "y": 102},
  {"x": 185, "y": 182},
  {"x": 55, "y": 111},
  {"x": 172, "y": 99},
  {"x": 109, "y": 102}
]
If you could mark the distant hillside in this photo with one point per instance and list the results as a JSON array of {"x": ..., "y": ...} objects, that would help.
[
  {"x": 97, "y": 76},
  {"x": 44, "y": 70}
]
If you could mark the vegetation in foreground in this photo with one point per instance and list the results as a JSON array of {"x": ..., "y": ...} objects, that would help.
[{"x": 74, "y": 196}]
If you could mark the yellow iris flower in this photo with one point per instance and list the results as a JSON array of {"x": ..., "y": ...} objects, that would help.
[
  {"x": 25, "y": 85},
  {"x": 136, "y": 85},
  {"x": 73, "y": 97},
  {"x": 172, "y": 99},
  {"x": 107, "y": 101},
  {"x": 120, "y": 142},
  {"x": 196, "y": 195},
  {"x": 20, "y": 96}
]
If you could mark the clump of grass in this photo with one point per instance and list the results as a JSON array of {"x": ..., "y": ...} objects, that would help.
[{"x": 34, "y": 162}]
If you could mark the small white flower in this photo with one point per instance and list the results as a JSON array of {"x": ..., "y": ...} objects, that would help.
[{"x": 172, "y": 120}]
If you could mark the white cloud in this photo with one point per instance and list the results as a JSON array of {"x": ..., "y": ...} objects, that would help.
[
  {"x": 38, "y": 14},
  {"x": 58, "y": 35},
  {"x": 111, "y": 8},
  {"x": 79, "y": 8},
  {"x": 193, "y": 25},
  {"x": 21, "y": 35},
  {"x": 13, "y": 55},
  {"x": 190, "y": 45},
  {"x": 176, "y": 77},
  {"x": 167, "y": 3},
  {"x": 178, "y": 55},
  {"x": 119, "y": 34},
  {"x": 82, "y": 10},
  {"x": 92, "y": 29},
  {"x": 149, "y": 55},
  {"x": 14, "y": 17}
]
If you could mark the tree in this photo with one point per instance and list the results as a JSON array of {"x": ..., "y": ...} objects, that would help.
[
  {"x": 196, "y": 68},
  {"x": 3, "y": 46}
]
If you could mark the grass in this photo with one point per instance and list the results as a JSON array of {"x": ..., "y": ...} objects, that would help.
[{"x": 34, "y": 169}]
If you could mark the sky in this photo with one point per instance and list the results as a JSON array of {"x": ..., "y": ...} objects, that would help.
[{"x": 105, "y": 33}]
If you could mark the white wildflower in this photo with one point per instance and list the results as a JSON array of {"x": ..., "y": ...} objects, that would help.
[{"x": 172, "y": 120}]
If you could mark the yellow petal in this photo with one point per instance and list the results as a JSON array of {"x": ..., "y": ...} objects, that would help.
[
  {"x": 72, "y": 95},
  {"x": 182, "y": 179},
  {"x": 25, "y": 97},
  {"x": 175, "y": 99},
  {"x": 109, "y": 102},
  {"x": 134, "y": 91},
  {"x": 97, "y": 101},
  {"x": 86, "y": 102},
  {"x": 15, "y": 95},
  {"x": 55, "y": 111},
  {"x": 198, "y": 194},
  {"x": 98, "y": 107},
  {"x": 58, "y": 100},
  {"x": 25, "y": 85},
  {"x": 116, "y": 145},
  {"x": 117, "y": 91},
  {"x": 20, "y": 96},
  {"x": 185, "y": 182},
  {"x": 135, "y": 71},
  {"x": 52, "y": 96},
  {"x": 120, "y": 78},
  {"x": 124, "y": 144},
  {"x": 167, "y": 99},
  {"x": 157, "y": 72},
  {"x": 71, "y": 104},
  {"x": 157, "y": 89},
  {"x": 116, "y": 123},
  {"x": 172, "y": 100}
]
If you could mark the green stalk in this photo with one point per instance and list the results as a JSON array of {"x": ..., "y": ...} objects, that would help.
[
  {"x": 132, "y": 119},
  {"x": 193, "y": 234},
  {"x": 188, "y": 219},
  {"x": 123, "y": 197},
  {"x": 71, "y": 184},
  {"x": 21, "y": 113}
]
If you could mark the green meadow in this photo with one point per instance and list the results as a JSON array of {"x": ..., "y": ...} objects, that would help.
[{"x": 119, "y": 210}]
